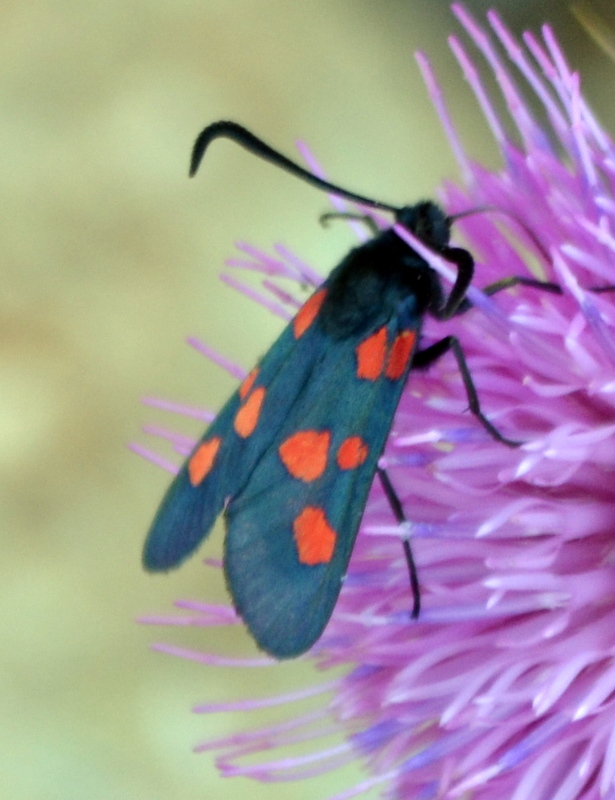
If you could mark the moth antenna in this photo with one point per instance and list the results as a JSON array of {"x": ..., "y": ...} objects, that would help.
[
  {"x": 243, "y": 137},
  {"x": 491, "y": 209}
]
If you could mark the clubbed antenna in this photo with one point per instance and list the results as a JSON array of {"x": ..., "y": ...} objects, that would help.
[{"x": 242, "y": 136}]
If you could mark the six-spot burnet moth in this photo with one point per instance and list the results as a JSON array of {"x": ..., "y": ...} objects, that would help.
[{"x": 290, "y": 458}]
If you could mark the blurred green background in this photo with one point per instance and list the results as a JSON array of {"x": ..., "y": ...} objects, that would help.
[{"x": 110, "y": 258}]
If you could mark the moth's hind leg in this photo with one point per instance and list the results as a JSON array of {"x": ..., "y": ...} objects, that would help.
[{"x": 398, "y": 513}]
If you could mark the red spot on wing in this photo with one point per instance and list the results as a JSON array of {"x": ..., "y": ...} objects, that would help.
[
  {"x": 371, "y": 354},
  {"x": 247, "y": 416},
  {"x": 314, "y": 537},
  {"x": 399, "y": 354},
  {"x": 304, "y": 454},
  {"x": 246, "y": 386},
  {"x": 308, "y": 313},
  {"x": 352, "y": 453},
  {"x": 202, "y": 460}
]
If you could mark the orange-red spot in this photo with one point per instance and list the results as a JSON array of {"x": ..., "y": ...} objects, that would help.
[
  {"x": 304, "y": 454},
  {"x": 314, "y": 537},
  {"x": 308, "y": 313},
  {"x": 202, "y": 460},
  {"x": 370, "y": 355},
  {"x": 248, "y": 414},
  {"x": 246, "y": 386},
  {"x": 352, "y": 453},
  {"x": 400, "y": 352}
]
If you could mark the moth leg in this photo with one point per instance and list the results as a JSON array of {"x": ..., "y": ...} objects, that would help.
[
  {"x": 368, "y": 221},
  {"x": 398, "y": 513},
  {"x": 601, "y": 289},
  {"x": 456, "y": 302},
  {"x": 518, "y": 280},
  {"x": 423, "y": 358},
  {"x": 546, "y": 286}
]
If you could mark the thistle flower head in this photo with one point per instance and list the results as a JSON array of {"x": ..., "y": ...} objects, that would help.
[{"x": 504, "y": 687}]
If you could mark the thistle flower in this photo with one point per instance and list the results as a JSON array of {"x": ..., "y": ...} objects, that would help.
[{"x": 504, "y": 687}]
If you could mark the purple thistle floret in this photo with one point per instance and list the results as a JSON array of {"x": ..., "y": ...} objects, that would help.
[{"x": 505, "y": 686}]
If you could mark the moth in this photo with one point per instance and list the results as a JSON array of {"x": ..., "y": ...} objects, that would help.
[{"x": 290, "y": 458}]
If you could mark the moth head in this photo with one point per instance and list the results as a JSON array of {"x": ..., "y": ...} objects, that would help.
[{"x": 428, "y": 222}]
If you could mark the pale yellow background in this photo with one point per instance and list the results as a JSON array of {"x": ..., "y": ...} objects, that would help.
[{"x": 109, "y": 258}]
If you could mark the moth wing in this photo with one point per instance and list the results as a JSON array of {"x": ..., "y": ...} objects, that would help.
[
  {"x": 223, "y": 459},
  {"x": 277, "y": 524}
]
